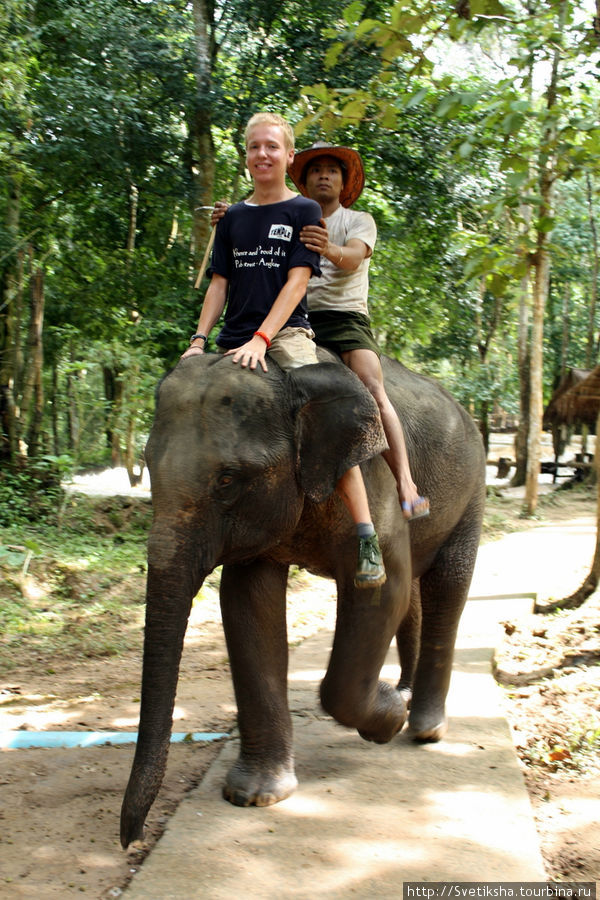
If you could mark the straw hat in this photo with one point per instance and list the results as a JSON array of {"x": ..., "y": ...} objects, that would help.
[{"x": 350, "y": 161}]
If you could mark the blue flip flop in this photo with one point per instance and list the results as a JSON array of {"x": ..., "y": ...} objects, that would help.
[{"x": 407, "y": 507}]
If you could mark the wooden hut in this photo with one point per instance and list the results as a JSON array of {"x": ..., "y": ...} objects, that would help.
[
  {"x": 574, "y": 403},
  {"x": 561, "y": 409},
  {"x": 580, "y": 403}
]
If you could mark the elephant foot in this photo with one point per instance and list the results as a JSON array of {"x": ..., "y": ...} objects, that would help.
[
  {"x": 427, "y": 729},
  {"x": 249, "y": 785},
  {"x": 387, "y": 719}
]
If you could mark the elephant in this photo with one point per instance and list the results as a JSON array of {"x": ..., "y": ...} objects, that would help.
[{"x": 243, "y": 466}]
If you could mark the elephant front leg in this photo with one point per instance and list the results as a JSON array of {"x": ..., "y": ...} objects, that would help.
[
  {"x": 351, "y": 691},
  {"x": 253, "y": 605}
]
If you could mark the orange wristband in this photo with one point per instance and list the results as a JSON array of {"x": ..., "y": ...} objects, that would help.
[{"x": 262, "y": 335}]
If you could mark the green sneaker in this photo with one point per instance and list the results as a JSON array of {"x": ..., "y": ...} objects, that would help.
[{"x": 370, "y": 571}]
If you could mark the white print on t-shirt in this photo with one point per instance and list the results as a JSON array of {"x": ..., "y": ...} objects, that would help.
[
  {"x": 249, "y": 259},
  {"x": 281, "y": 232}
]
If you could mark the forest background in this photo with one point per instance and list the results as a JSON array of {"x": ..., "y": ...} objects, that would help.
[{"x": 121, "y": 121}]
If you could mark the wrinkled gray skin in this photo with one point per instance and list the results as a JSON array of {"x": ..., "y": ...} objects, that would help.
[{"x": 243, "y": 467}]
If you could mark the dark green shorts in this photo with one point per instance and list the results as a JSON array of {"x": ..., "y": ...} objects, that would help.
[{"x": 343, "y": 331}]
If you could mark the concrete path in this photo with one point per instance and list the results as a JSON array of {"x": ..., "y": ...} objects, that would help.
[{"x": 367, "y": 818}]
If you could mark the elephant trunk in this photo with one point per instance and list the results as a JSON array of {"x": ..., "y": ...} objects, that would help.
[{"x": 168, "y": 604}]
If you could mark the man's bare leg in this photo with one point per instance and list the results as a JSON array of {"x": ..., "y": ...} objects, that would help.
[{"x": 365, "y": 363}]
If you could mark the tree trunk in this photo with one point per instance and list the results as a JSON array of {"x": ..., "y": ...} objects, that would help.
[
  {"x": 56, "y": 451},
  {"x": 134, "y": 477},
  {"x": 591, "y": 351},
  {"x": 35, "y": 349},
  {"x": 484, "y": 340},
  {"x": 536, "y": 396},
  {"x": 133, "y": 213},
  {"x": 10, "y": 285},
  {"x": 484, "y": 425},
  {"x": 523, "y": 348},
  {"x": 73, "y": 428},
  {"x": 173, "y": 234},
  {"x": 592, "y": 347},
  {"x": 523, "y": 363},
  {"x": 566, "y": 331},
  {"x": 547, "y": 176},
  {"x": 24, "y": 395},
  {"x": 113, "y": 391},
  {"x": 130, "y": 408}
]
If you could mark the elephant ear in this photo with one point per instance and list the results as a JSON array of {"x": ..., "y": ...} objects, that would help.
[{"x": 337, "y": 425}]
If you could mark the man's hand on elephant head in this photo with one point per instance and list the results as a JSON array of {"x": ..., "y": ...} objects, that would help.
[
  {"x": 250, "y": 354},
  {"x": 192, "y": 351}
]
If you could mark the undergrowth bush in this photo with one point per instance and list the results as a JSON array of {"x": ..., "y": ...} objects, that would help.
[{"x": 31, "y": 491}]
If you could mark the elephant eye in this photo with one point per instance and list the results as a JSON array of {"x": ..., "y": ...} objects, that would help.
[{"x": 227, "y": 487}]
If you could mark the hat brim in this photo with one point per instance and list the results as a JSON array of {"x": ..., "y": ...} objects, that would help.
[{"x": 354, "y": 173}]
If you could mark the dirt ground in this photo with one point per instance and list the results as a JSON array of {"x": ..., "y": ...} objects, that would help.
[
  {"x": 59, "y": 809},
  {"x": 550, "y": 668}
]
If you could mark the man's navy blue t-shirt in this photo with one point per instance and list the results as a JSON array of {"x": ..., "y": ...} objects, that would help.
[{"x": 255, "y": 247}]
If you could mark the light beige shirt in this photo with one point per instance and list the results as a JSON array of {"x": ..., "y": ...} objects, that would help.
[{"x": 338, "y": 289}]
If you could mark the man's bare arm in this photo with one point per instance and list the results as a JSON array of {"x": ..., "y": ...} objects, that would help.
[{"x": 212, "y": 308}]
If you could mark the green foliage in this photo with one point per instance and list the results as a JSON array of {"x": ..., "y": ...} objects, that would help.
[
  {"x": 482, "y": 73},
  {"x": 97, "y": 171},
  {"x": 82, "y": 376},
  {"x": 19, "y": 556},
  {"x": 32, "y": 491},
  {"x": 506, "y": 123},
  {"x": 82, "y": 590}
]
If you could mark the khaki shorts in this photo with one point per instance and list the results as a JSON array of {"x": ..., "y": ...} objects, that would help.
[{"x": 293, "y": 347}]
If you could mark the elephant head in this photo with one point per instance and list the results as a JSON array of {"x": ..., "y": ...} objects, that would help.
[{"x": 231, "y": 448}]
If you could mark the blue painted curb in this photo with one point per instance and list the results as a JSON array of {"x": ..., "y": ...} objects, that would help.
[{"x": 22, "y": 740}]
